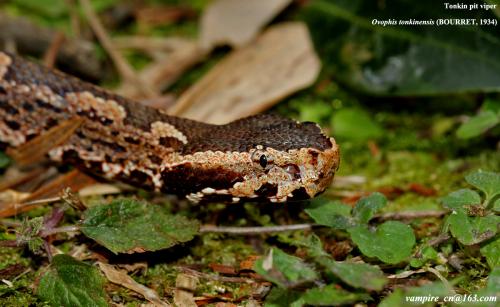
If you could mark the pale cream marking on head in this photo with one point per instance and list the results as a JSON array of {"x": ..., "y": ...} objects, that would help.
[
  {"x": 162, "y": 129},
  {"x": 208, "y": 191}
]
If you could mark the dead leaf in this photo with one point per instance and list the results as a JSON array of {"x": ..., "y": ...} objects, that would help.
[
  {"x": 236, "y": 22},
  {"x": 12, "y": 196},
  {"x": 26, "y": 180},
  {"x": 164, "y": 71},
  {"x": 122, "y": 279},
  {"x": 34, "y": 150},
  {"x": 162, "y": 14},
  {"x": 421, "y": 190},
  {"x": 251, "y": 79},
  {"x": 223, "y": 269},
  {"x": 99, "y": 189},
  {"x": 184, "y": 293},
  {"x": 248, "y": 263},
  {"x": 74, "y": 180}
]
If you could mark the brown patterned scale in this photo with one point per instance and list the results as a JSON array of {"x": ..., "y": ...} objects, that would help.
[{"x": 262, "y": 157}]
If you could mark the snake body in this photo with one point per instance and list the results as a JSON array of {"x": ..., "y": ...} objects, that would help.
[{"x": 262, "y": 157}]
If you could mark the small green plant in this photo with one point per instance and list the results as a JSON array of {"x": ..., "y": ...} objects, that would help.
[
  {"x": 390, "y": 242},
  {"x": 487, "y": 118},
  {"x": 123, "y": 226},
  {"x": 318, "y": 279},
  {"x": 473, "y": 219}
]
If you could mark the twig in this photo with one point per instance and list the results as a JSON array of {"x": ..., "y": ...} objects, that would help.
[
  {"x": 215, "y": 277},
  {"x": 50, "y": 56},
  {"x": 74, "y": 17},
  {"x": 405, "y": 274},
  {"x": 52, "y": 231},
  {"x": 253, "y": 230},
  {"x": 441, "y": 277},
  {"x": 410, "y": 215},
  {"x": 439, "y": 239},
  {"x": 123, "y": 67},
  {"x": 19, "y": 33}
]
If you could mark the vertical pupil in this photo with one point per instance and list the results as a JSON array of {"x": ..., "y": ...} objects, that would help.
[{"x": 263, "y": 161}]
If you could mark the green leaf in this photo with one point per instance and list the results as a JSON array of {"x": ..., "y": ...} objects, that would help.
[
  {"x": 4, "y": 160},
  {"x": 313, "y": 245},
  {"x": 314, "y": 111},
  {"x": 48, "y": 8},
  {"x": 492, "y": 289},
  {"x": 331, "y": 213},
  {"x": 355, "y": 124},
  {"x": 488, "y": 182},
  {"x": 472, "y": 230},
  {"x": 367, "y": 206},
  {"x": 458, "y": 199},
  {"x": 491, "y": 251},
  {"x": 127, "y": 226},
  {"x": 358, "y": 275},
  {"x": 330, "y": 295},
  {"x": 415, "y": 296},
  {"x": 392, "y": 242},
  {"x": 395, "y": 299},
  {"x": 434, "y": 289},
  {"x": 491, "y": 105},
  {"x": 284, "y": 270},
  {"x": 428, "y": 253},
  {"x": 493, "y": 284},
  {"x": 404, "y": 60},
  {"x": 478, "y": 124},
  {"x": 496, "y": 206},
  {"x": 28, "y": 233},
  {"x": 281, "y": 297},
  {"x": 69, "y": 282}
]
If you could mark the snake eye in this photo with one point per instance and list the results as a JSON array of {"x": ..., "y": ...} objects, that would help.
[
  {"x": 262, "y": 158},
  {"x": 263, "y": 161}
]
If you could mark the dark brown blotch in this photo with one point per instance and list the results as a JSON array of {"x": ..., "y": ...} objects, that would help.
[
  {"x": 27, "y": 106},
  {"x": 170, "y": 142},
  {"x": 13, "y": 124},
  {"x": 132, "y": 140},
  {"x": 45, "y": 105},
  {"x": 267, "y": 190},
  {"x": 4, "y": 104}
]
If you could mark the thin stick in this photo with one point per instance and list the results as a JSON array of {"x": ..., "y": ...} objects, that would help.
[
  {"x": 123, "y": 67},
  {"x": 443, "y": 280},
  {"x": 216, "y": 277},
  {"x": 50, "y": 56},
  {"x": 253, "y": 230},
  {"x": 71, "y": 228},
  {"x": 410, "y": 215}
]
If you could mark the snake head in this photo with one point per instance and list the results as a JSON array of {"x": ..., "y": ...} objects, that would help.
[
  {"x": 260, "y": 158},
  {"x": 295, "y": 174}
]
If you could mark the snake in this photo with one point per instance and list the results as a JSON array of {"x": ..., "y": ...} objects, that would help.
[{"x": 263, "y": 158}]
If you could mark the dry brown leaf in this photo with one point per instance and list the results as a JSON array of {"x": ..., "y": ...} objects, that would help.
[
  {"x": 99, "y": 189},
  {"x": 26, "y": 180},
  {"x": 35, "y": 150},
  {"x": 185, "y": 286},
  {"x": 12, "y": 196},
  {"x": 236, "y": 22},
  {"x": 122, "y": 279},
  {"x": 251, "y": 79},
  {"x": 74, "y": 180},
  {"x": 165, "y": 70}
]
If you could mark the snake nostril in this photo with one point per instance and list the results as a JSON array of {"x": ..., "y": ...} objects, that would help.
[{"x": 293, "y": 170}]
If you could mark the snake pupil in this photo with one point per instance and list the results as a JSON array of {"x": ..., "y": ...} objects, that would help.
[{"x": 263, "y": 161}]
